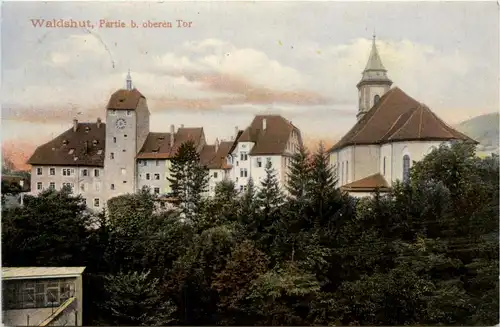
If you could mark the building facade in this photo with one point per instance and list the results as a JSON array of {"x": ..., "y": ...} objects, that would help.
[
  {"x": 393, "y": 130},
  {"x": 103, "y": 160}
]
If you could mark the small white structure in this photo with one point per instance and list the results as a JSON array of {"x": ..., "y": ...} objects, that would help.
[
  {"x": 393, "y": 130},
  {"x": 42, "y": 296}
]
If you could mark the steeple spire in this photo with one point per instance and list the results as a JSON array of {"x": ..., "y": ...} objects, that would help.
[
  {"x": 129, "y": 81},
  {"x": 374, "y": 61},
  {"x": 374, "y": 81}
]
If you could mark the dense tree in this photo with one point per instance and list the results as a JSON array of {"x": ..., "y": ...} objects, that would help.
[
  {"x": 135, "y": 299},
  {"x": 426, "y": 253}
]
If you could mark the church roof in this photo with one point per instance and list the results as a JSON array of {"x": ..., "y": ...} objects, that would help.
[
  {"x": 398, "y": 117},
  {"x": 367, "y": 184},
  {"x": 374, "y": 61}
]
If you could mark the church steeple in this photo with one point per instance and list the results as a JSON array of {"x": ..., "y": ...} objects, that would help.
[
  {"x": 374, "y": 82},
  {"x": 129, "y": 81}
]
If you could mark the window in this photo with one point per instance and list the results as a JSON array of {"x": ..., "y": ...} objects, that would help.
[
  {"x": 96, "y": 172},
  {"x": 259, "y": 162},
  {"x": 99, "y": 152},
  {"x": 96, "y": 202},
  {"x": 52, "y": 171},
  {"x": 67, "y": 171},
  {"x": 124, "y": 150},
  {"x": 157, "y": 177},
  {"x": 215, "y": 174},
  {"x": 376, "y": 98},
  {"x": 112, "y": 186},
  {"x": 129, "y": 112},
  {"x": 406, "y": 168},
  {"x": 157, "y": 163},
  {"x": 157, "y": 190},
  {"x": 342, "y": 176},
  {"x": 97, "y": 186},
  {"x": 383, "y": 168},
  {"x": 268, "y": 159},
  {"x": 111, "y": 155},
  {"x": 39, "y": 185},
  {"x": 52, "y": 185},
  {"x": 85, "y": 172},
  {"x": 148, "y": 176},
  {"x": 114, "y": 139},
  {"x": 124, "y": 171},
  {"x": 125, "y": 135},
  {"x": 244, "y": 156},
  {"x": 243, "y": 172},
  {"x": 71, "y": 151},
  {"x": 347, "y": 171},
  {"x": 112, "y": 112},
  {"x": 39, "y": 171},
  {"x": 241, "y": 188},
  {"x": 144, "y": 163}
]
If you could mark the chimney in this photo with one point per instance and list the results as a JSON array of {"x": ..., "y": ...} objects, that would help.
[
  {"x": 216, "y": 145},
  {"x": 99, "y": 121},
  {"x": 264, "y": 124},
  {"x": 75, "y": 124},
  {"x": 236, "y": 130},
  {"x": 86, "y": 147},
  {"x": 172, "y": 132},
  {"x": 182, "y": 125}
]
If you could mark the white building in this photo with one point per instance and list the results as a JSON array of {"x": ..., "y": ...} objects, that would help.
[
  {"x": 393, "y": 130},
  {"x": 268, "y": 138},
  {"x": 101, "y": 161}
]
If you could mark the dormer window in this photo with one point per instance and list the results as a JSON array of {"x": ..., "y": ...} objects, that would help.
[
  {"x": 94, "y": 142},
  {"x": 87, "y": 129},
  {"x": 99, "y": 152},
  {"x": 65, "y": 142},
  {"x": 71, "y": 151}
]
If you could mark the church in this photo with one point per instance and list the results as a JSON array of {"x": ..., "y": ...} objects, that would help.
[{"x": 392, "y": 131}]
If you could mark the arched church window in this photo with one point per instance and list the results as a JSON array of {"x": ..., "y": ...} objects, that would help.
[
  {"x": 376, "y": 98},
  {"x": 406, "y": 168}
]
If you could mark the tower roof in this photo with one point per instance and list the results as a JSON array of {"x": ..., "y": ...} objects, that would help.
[{"x": 374, "y": 61}]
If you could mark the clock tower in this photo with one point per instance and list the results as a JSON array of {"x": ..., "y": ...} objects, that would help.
[{"x": 127, "y": 127}]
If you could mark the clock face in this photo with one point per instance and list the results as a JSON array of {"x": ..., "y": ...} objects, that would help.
[{"x": 121, "y": 123}]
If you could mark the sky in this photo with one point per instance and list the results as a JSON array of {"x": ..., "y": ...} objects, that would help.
[{"x": 238, "y": 59}]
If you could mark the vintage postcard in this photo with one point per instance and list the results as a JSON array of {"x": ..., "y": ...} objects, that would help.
[{"x": 248, "y": 163}]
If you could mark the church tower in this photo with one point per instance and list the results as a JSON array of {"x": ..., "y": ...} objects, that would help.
[{"x": 374, "y": 82}]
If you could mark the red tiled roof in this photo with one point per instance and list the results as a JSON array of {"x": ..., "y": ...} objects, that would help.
[
  {"x": 398, "y": 117},
  {"x": 83, "y": 147},
  {"x": 125, "y": 99},
  {"x": 157, "y": 145},
  {"x": 273, "y": 139},
  {"x": 216, "y": 160},
  {"x": 367, "y": 184}
]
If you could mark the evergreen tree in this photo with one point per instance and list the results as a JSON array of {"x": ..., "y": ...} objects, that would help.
[
  {"x": 299, "y": 176},
  {"x": 135, "y": 299},
  {"x": 189, "y": 179},
  {"x": 322, "y": 193},
  {"x": 269, "y": 196}
]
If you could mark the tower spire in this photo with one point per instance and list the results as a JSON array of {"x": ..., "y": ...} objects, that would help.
[
  {"x": 374, "y": 81},
  {"x": 129, "y": 81}
]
